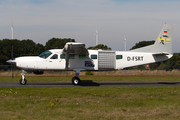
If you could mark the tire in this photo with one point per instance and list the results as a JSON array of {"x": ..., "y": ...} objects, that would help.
[
  {"x": 23, "y": 83},
  {"x": 76, "y": 81}
]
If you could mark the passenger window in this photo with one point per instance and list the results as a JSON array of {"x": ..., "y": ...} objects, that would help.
[
  {"x": 55, "y": 56},
  {"x": 62, "y": 56},
  {"x": 82, "y": 56},
  {"x": 93, "y": 56},
  {"x": 119, "y": 57},
  {"x": 71, "y": 56}
]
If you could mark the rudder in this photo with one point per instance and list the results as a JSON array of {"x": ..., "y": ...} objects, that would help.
[{"x": 163, "y": 43}]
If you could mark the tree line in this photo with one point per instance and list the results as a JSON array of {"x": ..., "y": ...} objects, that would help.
[
  {"x": 17, "y": 48},
  {"x": 100, "y": 46}
]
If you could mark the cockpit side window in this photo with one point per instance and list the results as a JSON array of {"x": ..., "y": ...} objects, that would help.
[
  {"x": 55, "y": 56},
  {"x": 45, "y": 54}
]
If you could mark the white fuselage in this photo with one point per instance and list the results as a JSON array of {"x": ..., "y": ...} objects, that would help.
[{"x": 97, "y": 60}]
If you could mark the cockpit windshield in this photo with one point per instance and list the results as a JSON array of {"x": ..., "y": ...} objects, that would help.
[{"x": 45, "y": 54}]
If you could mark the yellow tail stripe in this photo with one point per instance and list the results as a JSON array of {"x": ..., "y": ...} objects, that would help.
[{"x": 165, "y": 39}]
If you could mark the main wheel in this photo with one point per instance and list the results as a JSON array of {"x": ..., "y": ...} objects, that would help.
[
  {"x": 23, "y": 82},
  {"x": 76, "y": 81}
]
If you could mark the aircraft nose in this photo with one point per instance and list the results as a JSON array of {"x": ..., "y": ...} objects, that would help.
[{"x": 11, "y": 61}]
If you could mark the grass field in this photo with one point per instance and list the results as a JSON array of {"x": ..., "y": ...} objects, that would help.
[
  {"x": 90, "y": 103},
  {"x": 122, "y": 103}
]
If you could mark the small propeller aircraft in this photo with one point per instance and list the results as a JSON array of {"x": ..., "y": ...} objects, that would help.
[{"x": 75, "y": 57}]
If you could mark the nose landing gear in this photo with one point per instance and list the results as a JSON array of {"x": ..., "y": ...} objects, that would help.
[{"x": 23, "y": 81}]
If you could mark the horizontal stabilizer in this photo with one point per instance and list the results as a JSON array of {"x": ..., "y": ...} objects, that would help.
[{"x": 163, "y": 53}]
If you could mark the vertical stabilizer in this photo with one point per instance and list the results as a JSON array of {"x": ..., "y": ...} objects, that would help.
[{"x": 163, "y": 43}]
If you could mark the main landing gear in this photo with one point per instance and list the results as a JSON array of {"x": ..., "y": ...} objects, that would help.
[
  {"x": 76, "y": 80},
  {"x": 23, "y": 81}
]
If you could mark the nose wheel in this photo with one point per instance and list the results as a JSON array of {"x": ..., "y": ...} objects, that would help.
[
  {"x": 76, "y": 81},
  {"x": 23, "y": 82}
]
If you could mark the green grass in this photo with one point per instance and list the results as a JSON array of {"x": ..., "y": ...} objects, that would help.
[
  {"x": 90, "y": 103},
  {"x": 94, "y": 78}
]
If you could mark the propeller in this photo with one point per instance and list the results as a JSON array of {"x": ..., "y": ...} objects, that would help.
[{"x": 12, "y": 66}]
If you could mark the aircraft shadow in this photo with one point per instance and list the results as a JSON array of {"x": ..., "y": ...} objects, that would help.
[
  {"x": 138, "y": 83},
  {"x": 91, "y": 83},
  {"x": 83, "y": 83},
  {"x": 168, "y": 83}
]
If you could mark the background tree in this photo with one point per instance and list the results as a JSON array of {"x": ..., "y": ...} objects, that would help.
[
  {"x": 100, "y": 46},
  {"x": 174, "y": 62},
  {"x": 142, "y": 44},
  {"x": 27, "y": 47},
  {"x": 18, "y": 48},
  {"x": 59, "y": 43},
  {"x": 39, "y": 49}
]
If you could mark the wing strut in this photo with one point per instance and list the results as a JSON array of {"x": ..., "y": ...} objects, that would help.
[{"x": 67, "y": 56}]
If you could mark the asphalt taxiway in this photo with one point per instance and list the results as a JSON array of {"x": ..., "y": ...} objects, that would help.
[{"x": 90, "y": 83}]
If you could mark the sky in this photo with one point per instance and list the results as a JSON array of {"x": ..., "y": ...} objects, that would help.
[{"x": 138, "y": 20}]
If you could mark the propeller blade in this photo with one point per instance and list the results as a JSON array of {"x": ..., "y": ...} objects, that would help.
[{"x": 11, "y": 63}]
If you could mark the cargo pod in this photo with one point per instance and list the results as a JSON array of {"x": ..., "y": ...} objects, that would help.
[{"x": 106, "y": 60}]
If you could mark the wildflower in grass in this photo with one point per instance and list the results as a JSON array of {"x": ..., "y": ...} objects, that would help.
[{"x": 51, "y": 104}]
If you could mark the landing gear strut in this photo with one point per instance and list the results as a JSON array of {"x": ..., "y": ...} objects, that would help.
[
  {"x": 23, "y": 81},
  {"x": 76, "y": 80}
]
